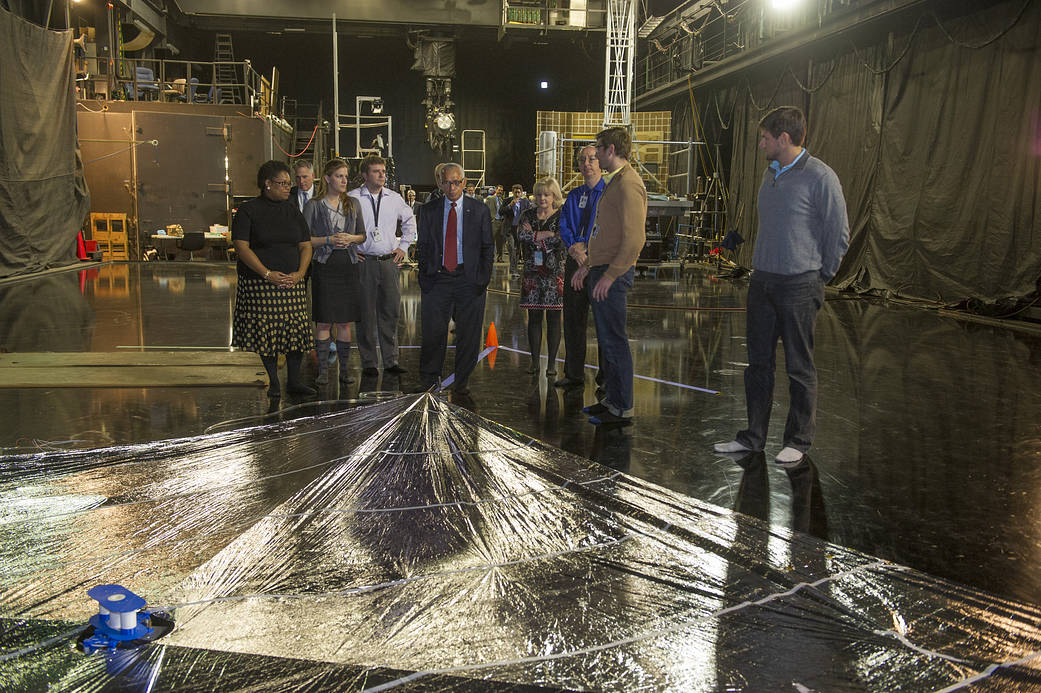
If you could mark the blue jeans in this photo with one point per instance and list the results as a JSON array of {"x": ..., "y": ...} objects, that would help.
[
  {"x": 616, "y": 363},
  {"x": 782, "y": 307}
]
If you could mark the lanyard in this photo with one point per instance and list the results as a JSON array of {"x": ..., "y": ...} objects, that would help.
[{"x": 376, "y": 209}]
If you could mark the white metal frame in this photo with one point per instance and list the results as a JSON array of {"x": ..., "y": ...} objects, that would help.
[
  {"x": 463, "y": 151},
  {"x": 618, "y": 70}
]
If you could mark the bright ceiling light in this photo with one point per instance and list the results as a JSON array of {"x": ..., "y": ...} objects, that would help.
[
  {"x": 783, "y": 4},
  {"x": 544, "y": 84}
]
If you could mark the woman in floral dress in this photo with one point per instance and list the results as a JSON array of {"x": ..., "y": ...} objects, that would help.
[{"x": 542, "y": 284}]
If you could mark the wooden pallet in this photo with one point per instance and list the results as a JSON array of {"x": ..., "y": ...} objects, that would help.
[{"x": 132, "y": 369}]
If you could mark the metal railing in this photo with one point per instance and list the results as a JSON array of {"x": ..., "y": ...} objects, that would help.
[
  {"x": 710, "y": 32},
  {"x": 188, "y": 81}
]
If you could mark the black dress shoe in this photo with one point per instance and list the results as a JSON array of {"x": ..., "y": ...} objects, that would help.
[
  {"x": 301, "y": 389},
  {"x": 594, "y": 409},
  {"x": 464, "y": 390},
  {"x": 609, "y": 419},
  {"x": 370, "y": 370},
  {"x": 568, "y": 381},
  {"x": 396, "y": 369}
]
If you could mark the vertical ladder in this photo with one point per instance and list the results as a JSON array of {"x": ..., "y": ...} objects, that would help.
[
  {"x": 618, "y": 70},
  {"x": 227, "y": 86},
  {"x": 473, "y": 156}
]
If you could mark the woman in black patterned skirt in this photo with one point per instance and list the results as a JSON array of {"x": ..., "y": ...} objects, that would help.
[
  {"x": 273, "y": 247},
  {"x": 542, "y": 284},
  {"x": 336, "y": 228}
]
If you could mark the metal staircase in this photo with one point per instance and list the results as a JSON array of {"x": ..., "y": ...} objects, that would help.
[{"x": 225, "y": 72}]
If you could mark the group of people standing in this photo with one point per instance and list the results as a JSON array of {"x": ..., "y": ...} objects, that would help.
[
  {"x": 579, "y": 254},
  {"x": 346, "y": 241}
]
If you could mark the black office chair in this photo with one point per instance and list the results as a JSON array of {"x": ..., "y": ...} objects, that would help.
[{"x": 192, "y": 241}]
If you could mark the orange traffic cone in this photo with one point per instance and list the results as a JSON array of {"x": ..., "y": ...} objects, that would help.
[{"x": 492, "y": 342}]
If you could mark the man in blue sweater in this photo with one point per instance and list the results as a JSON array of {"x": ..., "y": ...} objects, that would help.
[
  {"x": 576, "y": 222},
  {"x": 803, "y": 234}
]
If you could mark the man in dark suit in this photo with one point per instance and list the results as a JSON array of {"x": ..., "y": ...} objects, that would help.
[
  {"x": 454, "y": 251},
  {"x": 304, "y": 190}
]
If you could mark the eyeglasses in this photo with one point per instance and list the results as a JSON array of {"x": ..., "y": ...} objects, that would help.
[
  {"x": 283, "y": 183},
  {"x": 452, "y": 183}
]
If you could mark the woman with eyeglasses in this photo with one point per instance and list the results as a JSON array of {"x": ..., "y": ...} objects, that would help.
[
  {"x": 273, "y": 246},
  {"x": 337, "y": 228},
  {"x": 542, "y": 284}
]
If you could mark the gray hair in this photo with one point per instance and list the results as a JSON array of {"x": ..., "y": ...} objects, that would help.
[{"x": 439, "y": 170}]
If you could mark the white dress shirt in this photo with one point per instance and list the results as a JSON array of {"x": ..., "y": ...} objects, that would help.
[
  {"x": 381, "y": 238},
  {"x": 303, "y": 196}
]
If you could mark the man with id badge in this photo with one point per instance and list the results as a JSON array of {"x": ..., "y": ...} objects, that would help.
[
  {"x": 615, "y": 243},
  {"x": 576, "y": 223},
  {"x": 383, "y": 252}
]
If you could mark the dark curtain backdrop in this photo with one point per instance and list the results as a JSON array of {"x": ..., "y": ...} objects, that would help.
[
  {"x": 938, "y": 149},
  {"x": 43, "y": 195},
  {"x": 495, "y": 89}
]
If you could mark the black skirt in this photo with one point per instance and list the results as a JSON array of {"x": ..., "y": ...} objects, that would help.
[{"x": 336, "y": 292}]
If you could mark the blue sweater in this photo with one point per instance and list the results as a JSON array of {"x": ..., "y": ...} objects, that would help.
[
  {"x": 803, "y": 225},
  {"x": 576, "y": 221}
]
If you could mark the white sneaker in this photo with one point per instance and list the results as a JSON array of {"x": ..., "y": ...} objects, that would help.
[
  {"x": 731, "y": 447},
  {"x": 789, "y": 457}
]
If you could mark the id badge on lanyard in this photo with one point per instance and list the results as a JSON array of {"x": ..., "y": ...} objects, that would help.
[{"x": 376, "y": 216}]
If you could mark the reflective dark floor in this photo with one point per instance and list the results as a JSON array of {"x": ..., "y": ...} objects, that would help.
[{"x": 929, "y": 427}]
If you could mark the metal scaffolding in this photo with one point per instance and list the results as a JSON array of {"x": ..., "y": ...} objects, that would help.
[{"x": 618, "y": 70}]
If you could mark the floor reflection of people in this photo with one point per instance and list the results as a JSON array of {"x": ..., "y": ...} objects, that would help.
[
  {"x": 753, "y": 493},
  {"x": 612, "y": 447},
  {"x": 808, "y": 513},
  {"x": 464, "y": 400},
  {"x": 573, "y": 429},
  {"x": 369, "y": 383},
  {"x": 767, "y": 648}
]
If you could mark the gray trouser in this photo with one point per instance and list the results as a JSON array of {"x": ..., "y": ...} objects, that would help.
[
  {"x": 381, "y": 295},
  {"x": 782, "y": 307}
]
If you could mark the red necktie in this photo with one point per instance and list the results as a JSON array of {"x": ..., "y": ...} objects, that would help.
[{"x": 451, "y": 261}]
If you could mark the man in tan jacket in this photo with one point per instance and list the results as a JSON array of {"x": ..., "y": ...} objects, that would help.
[{"x": 615, "y": 243}]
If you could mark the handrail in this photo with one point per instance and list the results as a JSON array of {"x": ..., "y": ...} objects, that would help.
[{"x": 172, "y": 79}]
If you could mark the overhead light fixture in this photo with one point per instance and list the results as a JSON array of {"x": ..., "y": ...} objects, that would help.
[
  {"x": 783, "y": 4},
  {"x": 377, "y": 106},
  {"x": 544, "y": 84},
  {"x": 444, "y": 121},
  {"x": 649, "y": 25},
  {"x": 294, "y": 30}
]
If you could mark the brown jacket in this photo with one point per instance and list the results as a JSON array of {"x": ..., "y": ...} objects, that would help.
[{"x": 621, "y": 219}]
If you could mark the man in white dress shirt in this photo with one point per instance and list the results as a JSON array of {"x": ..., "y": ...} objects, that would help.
[
  {"x": 303, "y": 172},
  {"x": 382, "y": 209}
]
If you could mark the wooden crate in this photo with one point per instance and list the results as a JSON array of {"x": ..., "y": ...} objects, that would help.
[{"x": 110, "y": 232}]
